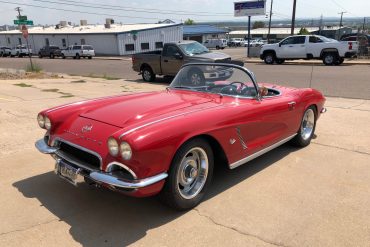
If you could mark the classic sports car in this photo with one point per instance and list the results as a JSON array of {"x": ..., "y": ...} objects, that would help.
[{"x": 168, "y": 142}]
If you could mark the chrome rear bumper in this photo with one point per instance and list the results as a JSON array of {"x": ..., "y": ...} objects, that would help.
[{"x": 102, "y": 177}]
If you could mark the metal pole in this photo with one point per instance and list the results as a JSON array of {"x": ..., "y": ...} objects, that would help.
[
  {"x": 341, "y": 23},
  {"x": 363, "y": 25},
  {"x": 29, "y": 54},
  {"x": 249, "y": 33},
  {"x": 293, "y": 17},
  {"x": 268, "y": 34}
]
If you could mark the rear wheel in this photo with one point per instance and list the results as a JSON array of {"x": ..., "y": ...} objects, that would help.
[
  {"x": 307, "y": 128},
  {"x": 78, "y": 56},
  {"x": 217, "y": 48},
  {"x": 147, "y": 74},
  {"x": 329, "y": 58},
  {"x": 280, "y": 61},
  {"x": 196, "y": 78},
  {"x": 40, "y": 56},
  {"x": 63, "y": 56},
  {"x": 269, "y": 58},
  {"x": 90, "y": 57},
  {"x": 51, "y": 55},
  {"x": 189, "y": 176}
]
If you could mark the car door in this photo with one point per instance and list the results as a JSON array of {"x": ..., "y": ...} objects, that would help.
[
  {"x": 292, "y": 47},
  {"x": 172, "y": 60}
]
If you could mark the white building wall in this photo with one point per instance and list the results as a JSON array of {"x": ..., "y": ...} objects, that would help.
[{"x": 165, "y": 34}]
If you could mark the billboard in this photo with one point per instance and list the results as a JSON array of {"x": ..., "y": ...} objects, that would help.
[{"x": 250, "y": 8}]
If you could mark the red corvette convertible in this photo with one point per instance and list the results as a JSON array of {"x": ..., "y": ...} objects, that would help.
[{"x": 167, "y": 142}]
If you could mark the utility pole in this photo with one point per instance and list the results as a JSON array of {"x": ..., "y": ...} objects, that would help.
[
  {"x": 341, "y": 18},
  {"x": 363, "y": 25},
  {"x": 268, "y": 34},
  {"x": 293, "y": 17},
  {"x": 320, "y": 25},
  {"x": 18, "y": 9}
]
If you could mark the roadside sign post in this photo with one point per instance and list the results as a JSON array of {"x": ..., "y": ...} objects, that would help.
[
  {"x": 25, "y": 35},
  {"x": 249, "y": 8}
]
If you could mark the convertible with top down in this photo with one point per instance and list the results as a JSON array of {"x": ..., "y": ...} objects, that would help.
[{"x": 168, "y": 142}]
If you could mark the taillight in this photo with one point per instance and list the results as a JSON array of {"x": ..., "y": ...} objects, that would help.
[{"x": 350, "y": 45}]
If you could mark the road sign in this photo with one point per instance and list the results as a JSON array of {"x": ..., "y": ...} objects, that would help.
[
  {"x": 24, "y": 31},
  {"x": 26, "y": 22},
  {"x": 250, "y": 8},
  {"x": 22, "y": 18}
]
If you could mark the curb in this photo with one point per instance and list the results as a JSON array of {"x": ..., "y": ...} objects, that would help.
[{"x": 315, "y": 62}]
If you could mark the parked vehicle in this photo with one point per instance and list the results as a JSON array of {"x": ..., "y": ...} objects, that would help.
[
  {"x": 236, "y": 42},
  {"x": 215, "y": 43},
  {"x": 169, "y": 60},
  {"x": 78, "y": 51},
  {"x": 330, "y": 51},
  {"x": 168, "y": 142},
  {"x": 20, "y": 51},
  {"x": 362, "y": 39},
  {"x": 5, "y": 51},
  {"x": 50, "y": 51},
  {"x": 255, "y": 43}
]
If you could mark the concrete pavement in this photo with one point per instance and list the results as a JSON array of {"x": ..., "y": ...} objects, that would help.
[{"x": 316, "y": 196}]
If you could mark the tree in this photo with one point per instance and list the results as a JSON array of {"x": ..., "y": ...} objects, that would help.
[
  {"x": 303, "y": 31},
  {"x": 258, "y": 24},
  {"x": 189, "y": 22}
]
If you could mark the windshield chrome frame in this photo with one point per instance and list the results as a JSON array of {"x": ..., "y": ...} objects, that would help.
[{"x": 247, "y": 71}]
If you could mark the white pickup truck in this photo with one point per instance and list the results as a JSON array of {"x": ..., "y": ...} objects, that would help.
[
  {"x": 78, "y": 51},
  {"x": 20, "y": 51},
  {"x": 331, "y": 52}
]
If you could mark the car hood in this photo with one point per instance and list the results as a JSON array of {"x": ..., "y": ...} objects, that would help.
[
  {"x": 125, "y": 110},
  {"x": 215, "y": 56}
]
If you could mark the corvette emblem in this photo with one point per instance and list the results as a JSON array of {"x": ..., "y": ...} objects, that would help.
[{"x": 86, "y": 128}]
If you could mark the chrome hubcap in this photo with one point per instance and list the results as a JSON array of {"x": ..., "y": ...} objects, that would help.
[
  {"x": 192, "y": 173},
  {"x": 195, "y": 79},
  {"x": 329, "y": 59},
  {"x": 147, "y": 75},
  {"x": 308, "y": 124},
  {"x": 269, "y": 59}
]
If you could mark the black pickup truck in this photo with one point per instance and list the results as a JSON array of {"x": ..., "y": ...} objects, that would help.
[
  {"x": 169, "y": 60},
  {"x": 50, "y": 51}
]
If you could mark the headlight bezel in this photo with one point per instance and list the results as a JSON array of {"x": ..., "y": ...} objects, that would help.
[
  {"x": 41, "y": 121},
  {"x": 47, "y": 123}
]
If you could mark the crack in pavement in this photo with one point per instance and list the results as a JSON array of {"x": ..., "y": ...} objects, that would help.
[
  {"x": 237, "y": 230},
  {"x": 345, "y": 149},
  {"x": 30, "y": 227}
]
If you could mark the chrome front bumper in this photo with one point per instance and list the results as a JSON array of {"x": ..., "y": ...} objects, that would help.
[{"x": 102, "y": 177}]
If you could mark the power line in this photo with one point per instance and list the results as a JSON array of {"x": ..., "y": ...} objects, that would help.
[{"x": 116, "y": 8}]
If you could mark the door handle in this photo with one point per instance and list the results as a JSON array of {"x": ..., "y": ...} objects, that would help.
[{"x": 166, "y": 61}]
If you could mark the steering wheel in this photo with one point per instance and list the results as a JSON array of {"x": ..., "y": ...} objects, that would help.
[{"x": 242, "y": 85}]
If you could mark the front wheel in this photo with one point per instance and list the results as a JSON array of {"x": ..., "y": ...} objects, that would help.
[
  {"x": 269, "y": 58},
  {"x": 307, "y": 128},
  {"x": 63, "y": 56},
  {"x": 78, "y": 56},
  {"x": 189, "y": 176}
]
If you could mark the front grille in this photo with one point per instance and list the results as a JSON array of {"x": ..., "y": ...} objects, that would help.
[{"x": 78, "y": 156}]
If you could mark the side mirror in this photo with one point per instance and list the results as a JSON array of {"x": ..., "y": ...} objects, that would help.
[
  {"x": 279, "y": 44},
  {"x": 178, "y": 56}
]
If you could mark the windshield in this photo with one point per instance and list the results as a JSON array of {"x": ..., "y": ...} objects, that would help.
[
  {"x": 216, "y": 79},
  {"x": 193, "y": 48}
]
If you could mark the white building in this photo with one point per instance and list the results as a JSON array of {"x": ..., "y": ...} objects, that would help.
[{"x": 108, "y": 39}]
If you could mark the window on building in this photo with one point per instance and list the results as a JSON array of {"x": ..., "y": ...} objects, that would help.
[
  {"x": 158, "y": 45},
  {"x": 83, "y": 42},
  {"x": 47, "y": 43},
  {"x": 144, "y": 46},
  {"x": 8, "y": 41},
  {"x": 64, "y": 44},
  {"x": 130, "y": 47},
  {"x": 20, "y": 41}
]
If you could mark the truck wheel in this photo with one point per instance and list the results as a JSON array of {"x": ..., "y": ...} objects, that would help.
[
  {"x": 40, "y": 56},
  {"x": 196, "y": 78},
  {"x": 147, "y": 74},
  {"x": 64, "y": 57},
  {"x": 90, "y": 57},
  {"x": 51, "y": 55},
  {"x": 78, "y": 56},
  {"x": 329, "y": 58},
  {"x": 280, "y": 61},
  {"x": 269, "y": 58},
  {"x": 339, "y": 61},
  {"x": 189, "y": 176},
  {"x": 217, "y": 48}
]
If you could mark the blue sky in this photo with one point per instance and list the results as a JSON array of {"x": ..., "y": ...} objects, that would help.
[{"x": 143, "y": 11}]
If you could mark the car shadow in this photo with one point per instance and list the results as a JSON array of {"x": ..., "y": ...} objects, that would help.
[
  {"x": 101, "y": 217},
  {"x": 158, "y": 81}
]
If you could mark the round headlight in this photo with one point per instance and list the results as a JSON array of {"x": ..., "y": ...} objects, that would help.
[
  {"x": 47, "y": 123},
  {"x": 41, "y": 121},
  {"x": 113, "y": 146},
  {"x": 125, "y": 151}
]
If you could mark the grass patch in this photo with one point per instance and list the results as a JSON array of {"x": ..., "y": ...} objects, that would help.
[
  {"x": 105, "y": 76},
  {"x": 78, "y": 81},
  {"x": 51, "y": 90},
  {"x": 66, "y": 95},
  {"x": 36, "y": 68},
  {"x": 22, "y": 85}
]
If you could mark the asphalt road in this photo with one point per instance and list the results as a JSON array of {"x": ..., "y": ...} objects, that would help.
[{"x": 348, "y": 81}]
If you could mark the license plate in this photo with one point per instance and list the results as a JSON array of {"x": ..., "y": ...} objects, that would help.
[{"x": 67, "y": 172}]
